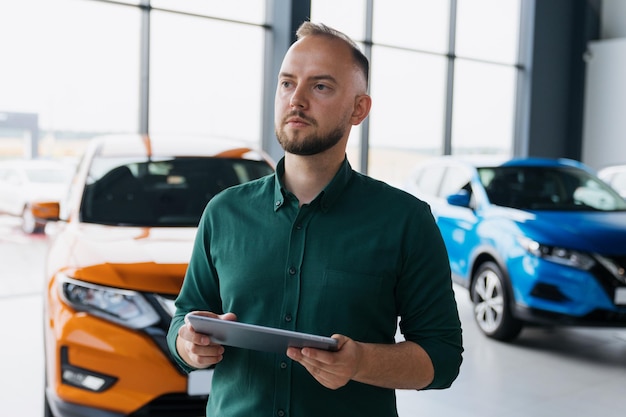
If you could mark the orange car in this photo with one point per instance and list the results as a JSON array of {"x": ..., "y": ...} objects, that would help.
[{"x": 116, "y": 263}]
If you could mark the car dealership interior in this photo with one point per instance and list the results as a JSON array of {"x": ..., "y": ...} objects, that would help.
[{"x": 470, "y": 79}]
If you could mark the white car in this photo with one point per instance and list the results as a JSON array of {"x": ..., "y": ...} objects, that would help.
[
  {"x": 25, "y": 181},
  {"x": 615, "y": 176}
]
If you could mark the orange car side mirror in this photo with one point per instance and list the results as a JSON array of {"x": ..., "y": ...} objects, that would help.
[{"x": 46, "y": 210}]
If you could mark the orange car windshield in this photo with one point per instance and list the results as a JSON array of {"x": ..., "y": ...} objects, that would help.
[{"x": 167, "y": 192}]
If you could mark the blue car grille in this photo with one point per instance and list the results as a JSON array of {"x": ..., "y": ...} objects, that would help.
[
  {"x": 621, "y": 261},
  {"x": 606, "y": 279}
]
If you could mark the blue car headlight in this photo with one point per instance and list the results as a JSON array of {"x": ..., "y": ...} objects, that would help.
[
  {"x": 557, "y": 254},
  {"x": 124, "y": 307}
]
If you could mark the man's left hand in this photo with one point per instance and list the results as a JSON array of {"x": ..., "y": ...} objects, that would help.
[{"x": 331, "y": 369}]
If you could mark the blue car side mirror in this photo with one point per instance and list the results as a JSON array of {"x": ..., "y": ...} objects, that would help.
[{"x": 461, "y": 199}]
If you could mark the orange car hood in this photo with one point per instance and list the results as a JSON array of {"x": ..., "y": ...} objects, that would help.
[{"x": 143, "y": 259}]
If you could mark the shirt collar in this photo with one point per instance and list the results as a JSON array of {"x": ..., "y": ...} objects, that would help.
[
  {"x": 329, "y": 194},
  {"x": 279, "y": 188}
]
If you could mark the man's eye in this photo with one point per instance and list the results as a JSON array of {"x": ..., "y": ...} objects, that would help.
[{"x": 321, "y": 87}]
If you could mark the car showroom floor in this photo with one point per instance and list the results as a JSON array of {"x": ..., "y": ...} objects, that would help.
[{"x": 570, "y": 372}]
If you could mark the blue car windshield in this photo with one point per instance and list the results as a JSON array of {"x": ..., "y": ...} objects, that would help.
[{"x": 548, "y": 188}]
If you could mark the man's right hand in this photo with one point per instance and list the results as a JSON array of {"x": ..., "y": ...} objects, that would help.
[{"x": 196, "y": 348}]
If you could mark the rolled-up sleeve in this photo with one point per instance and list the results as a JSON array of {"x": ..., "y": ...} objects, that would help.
[{"x": 426, "y": 301}]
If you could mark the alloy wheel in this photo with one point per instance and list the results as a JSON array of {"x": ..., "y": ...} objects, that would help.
[{"x": 488, "y": 301}]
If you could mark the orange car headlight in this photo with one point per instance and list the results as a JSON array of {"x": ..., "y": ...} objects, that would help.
[{"x": 125, "y": 307}]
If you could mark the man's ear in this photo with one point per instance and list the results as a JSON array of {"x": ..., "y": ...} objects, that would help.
[{"x": 362, "y": 106}]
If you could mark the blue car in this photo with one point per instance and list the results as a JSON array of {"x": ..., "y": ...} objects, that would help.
[{"x": 535, "y": 241}]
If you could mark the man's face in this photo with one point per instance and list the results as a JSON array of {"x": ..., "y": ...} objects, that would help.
[{"x": 315, "y": 98}]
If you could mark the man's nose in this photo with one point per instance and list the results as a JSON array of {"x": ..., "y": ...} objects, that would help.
[{"x": 298, "y": 98}]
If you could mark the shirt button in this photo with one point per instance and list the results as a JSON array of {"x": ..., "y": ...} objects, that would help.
[
  {"x": 299, "y": 227},
  {"x": 283, "y": 365},
  {"x": 292, "y": 270},
  {"x": 288, "y": 317},
  {"x": 281, "y": 413}
]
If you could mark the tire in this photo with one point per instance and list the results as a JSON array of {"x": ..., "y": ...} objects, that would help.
[
  {"x": 492, "y": 304},
  {"x": 47, "y": 411}
]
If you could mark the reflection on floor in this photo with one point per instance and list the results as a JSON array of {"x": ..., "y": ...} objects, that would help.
[{"x": 574, "y": 372}]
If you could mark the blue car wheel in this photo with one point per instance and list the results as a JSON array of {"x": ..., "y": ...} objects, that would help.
[{"x": 492, "y": 303}]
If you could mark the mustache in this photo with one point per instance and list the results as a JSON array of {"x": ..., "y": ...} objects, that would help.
[{"x": 299, "y": 114}]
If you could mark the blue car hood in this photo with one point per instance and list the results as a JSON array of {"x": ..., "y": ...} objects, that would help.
[{"x": 600, "y": 232}]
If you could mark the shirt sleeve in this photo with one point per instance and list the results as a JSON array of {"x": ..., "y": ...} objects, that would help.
[
  {"x": 425, "y": 297},
  {"x": 199, "y": 291}
]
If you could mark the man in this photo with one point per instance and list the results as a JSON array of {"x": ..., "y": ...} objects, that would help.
[{"x": 321, "y": 249}]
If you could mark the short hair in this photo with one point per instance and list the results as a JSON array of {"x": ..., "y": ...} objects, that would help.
[{"x": 319, "y": 29}]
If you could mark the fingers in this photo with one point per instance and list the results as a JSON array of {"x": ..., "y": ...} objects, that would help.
[
  {"x": 331, "y": 369},
  {"x": 197, "y": 348},
  {"x": 228, "y": 316},
  {"x": 188, "y": 333},
  {"x": 203, "y": 356},
  {"x": 225, "y": 316}
]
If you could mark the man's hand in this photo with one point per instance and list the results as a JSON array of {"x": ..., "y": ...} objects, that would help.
[
  {"x": 196, "y": 348},
  {"x": 402, "y": 365},
  {"x": 331, "y": 369}
]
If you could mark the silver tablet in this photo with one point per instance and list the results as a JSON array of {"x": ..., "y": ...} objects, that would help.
[{"x": 251, "y": 336}]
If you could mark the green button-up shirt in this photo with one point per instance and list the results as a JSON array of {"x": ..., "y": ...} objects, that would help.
[{"x": 353, "y": 261}]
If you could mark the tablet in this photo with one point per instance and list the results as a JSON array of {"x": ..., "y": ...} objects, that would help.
[{"x": 255, "y": 337}]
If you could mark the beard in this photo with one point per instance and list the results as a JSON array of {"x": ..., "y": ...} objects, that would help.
[{"x": 303, "y": 145}]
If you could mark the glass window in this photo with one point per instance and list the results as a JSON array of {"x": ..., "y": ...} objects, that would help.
[
  {"x": 407, "y": 116},
  {"x": 252, "y": 11},
  {"x": 347, "y": 16},
  {"x": 415, "y": 24},
  {"x": 206, "y": 77},
  {"x": 77, "y": 74},
  {"x": 353, "y": 150},
  {"x": 488, "y": 30},
  {"x": 483, "y": 110},
  {"x": 80, "y": 76}
]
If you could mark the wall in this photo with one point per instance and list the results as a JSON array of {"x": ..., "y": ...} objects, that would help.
[
  {"x": 613, "y": 18},
  {"x": 604, "y": 137},
  {"x": 562, "y": 29}
]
